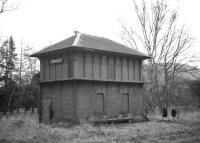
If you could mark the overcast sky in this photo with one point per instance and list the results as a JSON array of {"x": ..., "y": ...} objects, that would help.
[{"x": 41, "y": 22}]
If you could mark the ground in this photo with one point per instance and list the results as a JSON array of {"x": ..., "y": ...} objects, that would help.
[{"x": 26, "y": 129}]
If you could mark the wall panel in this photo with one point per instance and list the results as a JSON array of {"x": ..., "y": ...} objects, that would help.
[
  {"x": 65, "y": 67},
  {"x": 112, "y": 99},
  {"x": 124, "y": 102},
  {"x": 45, "y": 109},
  {"x": 136, "y": 99},
  {"x": 111, "y": 67},
  {"x": 75, "y": 65},
  {"x": 132, "y": 105},
  {"x": 130, "y": 69},
  {"x": 133, "y": 69},
  {"x": 140, "y": 70},
  {"x": 52, "y": 69},
  {"x": 88, "y": 65},
  {"x": 58, "y": 71},
  {"x": 104, "y": 67},
  {"x": 46, "y": 92},
  {"x": 70, "y": 65},
  {"x": 42, "y": 66},
  {"x": 96, "y": 66},
  {"x": 46, "y": 75},
  {"x": 80, "y": 59},
  {"x": 99, "y": 105},
  {"x": 124, "y": 69},
  {"x": 67, "y": 100},
  {"x": 137, "y": 70},
  {"x": 56, "y": 101},
  {"x": 85, "y": 99},
  {"x": 118, "y": 68}
]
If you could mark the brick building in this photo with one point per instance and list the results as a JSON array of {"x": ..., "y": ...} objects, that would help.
[{"x": 86, "y": 75}]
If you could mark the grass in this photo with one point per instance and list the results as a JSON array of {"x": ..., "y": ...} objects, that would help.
[
  {"x": 191, "y": 114},
  {"x": 25, "y": 128}
]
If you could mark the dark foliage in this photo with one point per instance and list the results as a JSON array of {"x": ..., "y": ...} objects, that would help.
[{"x": 194, "y": 86}]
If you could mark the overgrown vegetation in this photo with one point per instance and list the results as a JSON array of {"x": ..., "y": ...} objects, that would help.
[
  {"x": 168, "y": 45},
  {"x": 16, "y": 72},
  {"x": 26, "y": 128}
]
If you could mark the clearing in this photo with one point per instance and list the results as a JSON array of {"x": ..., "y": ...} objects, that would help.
[{"x": 26, "y": 129}]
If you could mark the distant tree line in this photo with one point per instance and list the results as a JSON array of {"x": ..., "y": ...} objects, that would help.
[
  {"x": 18, "y": 88},
  {"x": 16, "y": 72},
  {"x": 195, "y": 87}
]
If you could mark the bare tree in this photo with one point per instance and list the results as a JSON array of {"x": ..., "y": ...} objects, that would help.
[
  {"x": 27, "y": 65},
  {"x": 167, "y": 44},
  {"x": 6, "y": 6}
]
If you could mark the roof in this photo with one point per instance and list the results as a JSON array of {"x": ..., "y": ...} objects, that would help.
[{"x": 92, "y": 42}]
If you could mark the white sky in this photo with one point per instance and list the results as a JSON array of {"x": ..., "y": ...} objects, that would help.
[{"x": 39, "y": 22}]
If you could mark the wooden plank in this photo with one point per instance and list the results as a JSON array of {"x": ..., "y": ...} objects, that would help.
[
  {"x": 42, "y": 62},
  {"x": 111, "y": 67},
  {"x": 46, "y": 75},
  {"x": 75, "y": 65},
  {"x": 58, "y": 70},
  {"x": 80, "y": 59},
  {"x": 114, "y": 120},
  {"x": 52, "y": 70},
  {"x": 137, "y": 70},
  {"x": 88, "y": 65},
  {"x": 70, "y": 65},
  {"x": 104, "y": 67},
  {"x": 130, "y": 70},
  {"x": 124, "y": 69},
  {"x": 96, "y": 66},
  {"x": 133, "y": 69},
  {"x": 118, "y": 68},
  {"x": 65, "y": 67},
  {"x": 140, "y": 70}
]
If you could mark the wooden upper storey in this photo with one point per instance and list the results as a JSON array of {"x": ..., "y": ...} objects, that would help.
[
  {"x": 88, "y": 65},
  {"x": 87, "y": 57}
]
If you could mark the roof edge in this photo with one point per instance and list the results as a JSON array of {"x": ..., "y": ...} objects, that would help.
[
  {"x": 144, "y": 56},
  {"x": 76, "y": 39}
]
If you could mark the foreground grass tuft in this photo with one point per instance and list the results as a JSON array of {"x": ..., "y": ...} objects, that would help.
[{"x": 25, "y": 128}]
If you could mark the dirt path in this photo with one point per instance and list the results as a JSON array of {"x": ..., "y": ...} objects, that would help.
[{"x": 191, "y": 135}]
